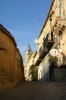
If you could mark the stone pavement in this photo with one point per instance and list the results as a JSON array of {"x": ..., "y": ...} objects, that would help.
[{"x": 36, "y": 91}]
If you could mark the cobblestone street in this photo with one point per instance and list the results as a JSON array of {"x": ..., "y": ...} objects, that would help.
[{"x": 36, "y": 91}]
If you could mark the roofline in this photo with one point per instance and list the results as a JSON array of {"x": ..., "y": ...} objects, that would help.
[
  {"x": 7, "y": 33},
  {"x": 46, "y": 19}
]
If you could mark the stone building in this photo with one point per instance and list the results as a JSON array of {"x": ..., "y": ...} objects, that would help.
[
  {"x": 11, "y": 65},
  {"x": 50, "y": 56},
  {"x": 29, "y": 54},
  {"x": 54, "y": 27}
]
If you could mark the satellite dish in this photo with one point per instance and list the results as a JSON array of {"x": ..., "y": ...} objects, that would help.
[
  {"x": 36, "y": 41},
  {"x": 53, "y": 52}
]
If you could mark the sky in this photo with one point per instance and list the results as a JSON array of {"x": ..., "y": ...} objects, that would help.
[{"x": 24, "y": 19}]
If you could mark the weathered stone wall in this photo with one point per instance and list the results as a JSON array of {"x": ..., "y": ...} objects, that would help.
[
  {"x": 63, "y": 42},
  {"x": 11, "y": 71},
  {"x": 57, "y": 12}
]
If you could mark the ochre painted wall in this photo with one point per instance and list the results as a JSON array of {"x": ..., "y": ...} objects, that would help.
[{"x": 11, "y": 71}]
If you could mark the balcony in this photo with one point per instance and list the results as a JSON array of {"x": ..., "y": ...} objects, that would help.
[{"x": 42, "y": 52}]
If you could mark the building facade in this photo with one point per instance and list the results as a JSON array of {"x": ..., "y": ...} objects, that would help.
[
  {"x": 50, "y": 56},
  {"x": 11, "y": 65},
  {"x": 29, "y": 61}
]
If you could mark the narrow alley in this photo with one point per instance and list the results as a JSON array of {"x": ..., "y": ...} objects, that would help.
[{"x": 36, "y": 91}]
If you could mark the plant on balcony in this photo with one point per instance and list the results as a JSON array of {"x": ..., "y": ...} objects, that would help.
[
  {"x": 34, "y": 73},
  {"x": 53, "y": 59}
]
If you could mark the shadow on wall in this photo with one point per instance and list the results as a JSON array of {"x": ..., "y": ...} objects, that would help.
[
  {"x": 45, "y": 78},
  {"x": 57, "y": 73}
]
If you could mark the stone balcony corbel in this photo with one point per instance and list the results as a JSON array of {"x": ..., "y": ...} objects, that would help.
[{"x": 59, "y": 26}]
